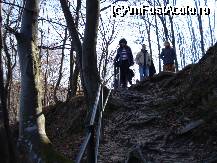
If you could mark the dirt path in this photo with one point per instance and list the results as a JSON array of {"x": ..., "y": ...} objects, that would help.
[
  {"x": 142, "y": 129},
  {"x": 170, "y": 118}
]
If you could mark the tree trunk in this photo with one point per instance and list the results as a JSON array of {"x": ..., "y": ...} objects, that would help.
[
  {"x": 89, "y": 57},
  {"x": 75, "y": 39},
  {"x": 7, "y": 150},
  {"x": 105, "y": 64},
  {"x": 201, "y": 34},
  {"x": 4, "y": 151},
  {"x": 46, "y": 90},
  {"x": 33, "y": 139},
  {"x": 200, "y": 29},
  {"x": 9, "y": 71},
  {"x": 180, "y": 42},
  {"x": 71, "y": 71},
  {"x": 158, "y": 42},
  {"x": 211, "y": 31},
  {"x": 163, "y": 21},
  {"x": 73, "y": 78},
  {"x": 193, "y": 40},
  {"x": 173, "y": 41},
  {"x": 75, "y": 81},
  {"x": 60, "y": 70},
  {"x": 210, "y": 27},
  {"x": 148, "y": 26}
]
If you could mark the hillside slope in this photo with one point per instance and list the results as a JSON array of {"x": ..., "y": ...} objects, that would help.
[
  {"x": 168, "y": 118},
  {"x": 171, "y": 117}
]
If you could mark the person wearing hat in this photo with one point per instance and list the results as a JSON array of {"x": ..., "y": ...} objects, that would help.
[
  {"x": 168, "y": 55},
  {"x": 143, "y": 59},
  {"x": 124, "y": 59}
]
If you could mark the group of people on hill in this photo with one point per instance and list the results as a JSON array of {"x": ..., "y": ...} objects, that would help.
[{"x": 124, "y": 60}]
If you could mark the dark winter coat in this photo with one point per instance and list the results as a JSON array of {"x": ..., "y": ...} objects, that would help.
[
  {"x": 129, "y": 56},
  {"x": 168, "y": 55}
]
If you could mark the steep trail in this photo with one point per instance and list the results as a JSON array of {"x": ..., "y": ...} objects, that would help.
[
  {"x": 145, "y": 124},
  {"x": 171, "y": 117}
]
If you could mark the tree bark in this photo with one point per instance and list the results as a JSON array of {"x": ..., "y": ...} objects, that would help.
[
  {"x": 32, "y": 136},
  {"x": 75, "y": 81},
  {"x": 71, "y": 71},
  {"x": 201, "y": 34},
  {"x": 4, "y": 155},
  {"x": 45, "y": 100},
  {"x": 74, "y": 73},
  {"x": 9, "y": 71},
  {"x": 89, "y": 57}
]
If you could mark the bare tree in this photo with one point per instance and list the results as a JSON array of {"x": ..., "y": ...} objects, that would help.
[
  {"x": 107, "y": 34},
  {"x": 76, "y": 42},
  {"x": 86, "y": 54},
  {"x": 60, "y": 69},
  {"x": 73, "y": 78},
  {"x": 173, "y": 35},
  {"x": 89, "y": 57},
  {"x": 74, "y": 73},
  {"x": 8, "y": 151},
  {"x": 210, "y": 27},
  {"x": 148, "y": 30},
  {"x": 200, "y": 28},
  {"x": 32, "y": 135},
  {"x": 158, "y": 40},
  {"x": 193, "y": 40}
]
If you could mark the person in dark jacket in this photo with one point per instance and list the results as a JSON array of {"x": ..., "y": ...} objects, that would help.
[
  {"x": 168, "y": 56},
  {"x": 124, "y": 59}
]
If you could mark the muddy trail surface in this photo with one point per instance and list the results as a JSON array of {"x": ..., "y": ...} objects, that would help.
[{"x": 169, "y": 118}]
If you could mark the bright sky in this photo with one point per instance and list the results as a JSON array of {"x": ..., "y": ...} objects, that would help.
[
  {"x": 132, "y": 33},
  {"x": 128, "y": 30}
]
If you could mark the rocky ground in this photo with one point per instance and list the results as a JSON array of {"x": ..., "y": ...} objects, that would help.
[{"x": 171, "y": 117}]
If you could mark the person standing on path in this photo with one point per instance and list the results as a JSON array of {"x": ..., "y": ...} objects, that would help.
[
  {"x": 143, "y": 59},
  {"x": 124, "y": 59},
  {"x": 168, "y": 55}
]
